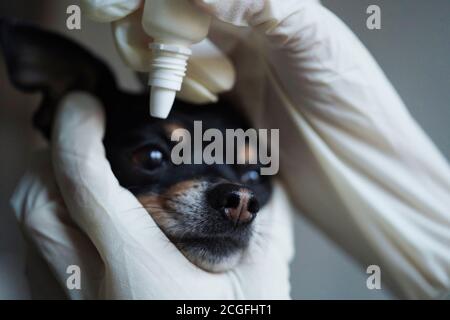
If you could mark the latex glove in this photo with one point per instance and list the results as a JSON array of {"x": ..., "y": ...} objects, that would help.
[
  {"x": 354, "y": 160},
  {"x": 45, "y": 222},
  {"x": 209, "y": 71},
  {"x": 120, "y": 250}
]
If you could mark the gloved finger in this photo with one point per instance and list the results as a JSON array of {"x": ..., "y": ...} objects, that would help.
[
  {"x": 132, "y": 42},
  {"x": 44, "y": 219},
  {"x": 109, "y": 10},
  {"x": 281, "y": 232},
  {"x": 273, "y": 228},
  {"x": 270, "y": 251},
  {"x": 265, "y": 278},
  {"x": 91, "y": 191}
]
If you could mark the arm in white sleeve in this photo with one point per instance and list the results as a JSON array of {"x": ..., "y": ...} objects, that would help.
[{"x": 355, "y": 161}]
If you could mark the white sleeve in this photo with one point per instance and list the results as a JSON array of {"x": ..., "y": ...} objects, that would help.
[
  {"x": 354, "y": 160},
  {"x": 366, "y": 172}
]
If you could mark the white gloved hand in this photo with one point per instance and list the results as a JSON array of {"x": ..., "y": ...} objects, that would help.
[
  {"x": 354, "y": 160},
  {"x": 209, "y": 71},
  {"x": 121, "y": 252}
]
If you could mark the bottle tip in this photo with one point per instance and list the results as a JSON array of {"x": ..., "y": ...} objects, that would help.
[{"x": 161, "y": 101}]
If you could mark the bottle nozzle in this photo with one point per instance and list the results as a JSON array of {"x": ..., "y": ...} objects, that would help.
[
  {"x": 161, "y": 101},
  {"x": 166, "y": 75}
]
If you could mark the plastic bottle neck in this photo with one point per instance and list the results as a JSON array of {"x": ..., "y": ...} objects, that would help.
[{"x": 167, "y": 70}]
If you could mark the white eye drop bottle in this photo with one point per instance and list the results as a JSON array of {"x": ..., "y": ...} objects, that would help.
[{"x": 174, "y": 26}]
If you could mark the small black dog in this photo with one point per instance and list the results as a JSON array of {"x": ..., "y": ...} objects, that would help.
[{"x": 205, "y": 210}]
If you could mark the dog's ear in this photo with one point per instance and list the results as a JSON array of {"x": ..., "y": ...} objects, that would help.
[{"x": 39, "y": 60}]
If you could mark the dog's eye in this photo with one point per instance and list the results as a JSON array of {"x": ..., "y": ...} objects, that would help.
[
  {"x": 149, "y": 157},
  {"x": 250, "y": 177}
]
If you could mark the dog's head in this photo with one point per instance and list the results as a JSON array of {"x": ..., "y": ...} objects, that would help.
[{"x": 207, "y": 211}]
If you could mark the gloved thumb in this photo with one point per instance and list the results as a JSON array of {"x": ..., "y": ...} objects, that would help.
[{"x": 109, "y": 214}]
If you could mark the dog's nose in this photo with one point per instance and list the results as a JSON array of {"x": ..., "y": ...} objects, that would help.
[
  {"x": 240, "y": 206},
  {"x": 237, "y": 203}
]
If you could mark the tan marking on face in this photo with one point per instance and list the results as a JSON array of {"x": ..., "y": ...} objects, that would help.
[
  {"x": 169, "y": 128},
  {"x": 154, "y": 204},
  {"x": 180, "y": 188},
  {"x": 166, "y": 208},
  {"x": 247, "y": 154}
]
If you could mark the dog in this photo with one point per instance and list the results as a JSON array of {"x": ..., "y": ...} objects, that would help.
[{"x": 207, "y": 211}]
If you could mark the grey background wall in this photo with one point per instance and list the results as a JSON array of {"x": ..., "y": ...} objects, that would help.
[{"x": 413, "y": 48}]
